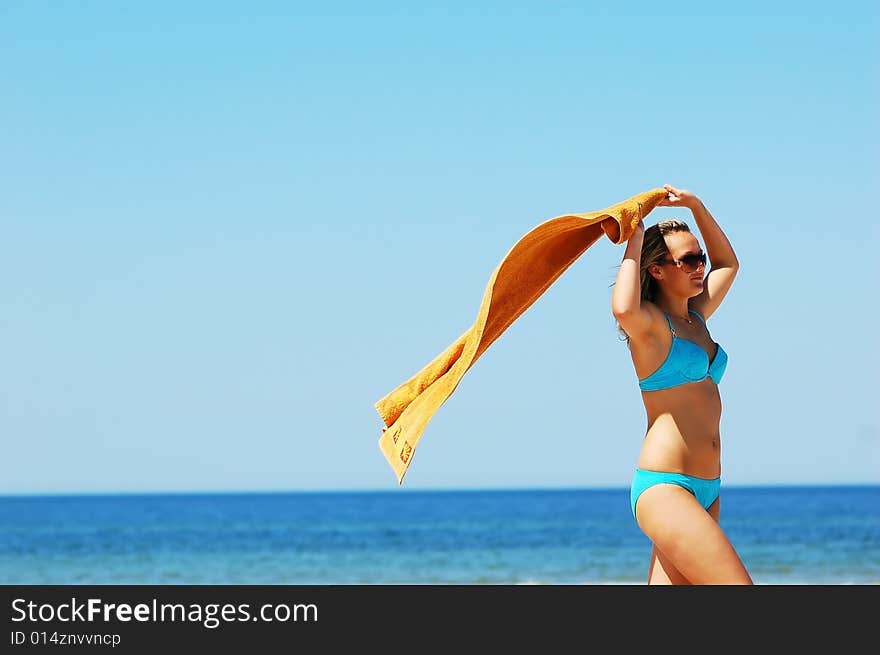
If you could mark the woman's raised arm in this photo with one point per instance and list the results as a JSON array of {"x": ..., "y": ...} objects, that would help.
[
  {"x": 724, "y": 264},
  {"x": 626, "y": 299}
]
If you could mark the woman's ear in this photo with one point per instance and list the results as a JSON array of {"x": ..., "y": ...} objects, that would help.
[{"x": 654, "y": 271}]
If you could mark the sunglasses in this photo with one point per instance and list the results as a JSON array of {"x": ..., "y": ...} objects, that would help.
[{"x": 689, "y": 263}]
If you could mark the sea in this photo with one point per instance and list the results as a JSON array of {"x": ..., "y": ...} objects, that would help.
[{"x": 803, "y": 535}]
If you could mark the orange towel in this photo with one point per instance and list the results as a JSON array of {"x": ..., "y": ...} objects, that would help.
[{"x": 531, "y": 266}]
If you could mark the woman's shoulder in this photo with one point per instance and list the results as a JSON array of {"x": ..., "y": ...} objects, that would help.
[
  {"x": 643, "y": 326},
  {"x": 657, "y": 315}
]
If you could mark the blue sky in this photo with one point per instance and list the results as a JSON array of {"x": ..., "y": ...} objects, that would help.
[{"x": 230, "y": 228}]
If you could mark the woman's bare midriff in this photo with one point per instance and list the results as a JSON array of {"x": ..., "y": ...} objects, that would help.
[{"x": 683, "y": 430}]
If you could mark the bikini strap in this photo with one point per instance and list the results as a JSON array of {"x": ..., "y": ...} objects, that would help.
[
  {"x": 671, "y": 326},
  {"x": 698, "y": 316}
]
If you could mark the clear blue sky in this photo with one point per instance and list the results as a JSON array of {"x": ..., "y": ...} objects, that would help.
[{"x": 229, "y": 228}]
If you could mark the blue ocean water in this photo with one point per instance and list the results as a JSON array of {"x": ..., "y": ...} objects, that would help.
[{"x": 785, "y": 535}]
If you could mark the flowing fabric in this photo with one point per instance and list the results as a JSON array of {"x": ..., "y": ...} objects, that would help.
[{"x": 527, "y": 271}]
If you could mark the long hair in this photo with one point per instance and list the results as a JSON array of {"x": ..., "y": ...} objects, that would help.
[{"x": 654, "y": 251}]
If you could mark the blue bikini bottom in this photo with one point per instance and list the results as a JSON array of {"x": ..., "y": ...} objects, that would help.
[{"x": 705, "y": 491}]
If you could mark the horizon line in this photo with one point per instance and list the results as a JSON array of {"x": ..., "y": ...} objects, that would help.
[{"x": 397, "y": 489}]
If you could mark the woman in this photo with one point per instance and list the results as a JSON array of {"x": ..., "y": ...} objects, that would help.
[{"x": 662, "y": 304}]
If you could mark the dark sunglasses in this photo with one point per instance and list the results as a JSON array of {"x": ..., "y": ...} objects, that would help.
[{"x": 689, "y": 263}]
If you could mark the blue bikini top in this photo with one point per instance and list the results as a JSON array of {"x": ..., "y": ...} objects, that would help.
[{"x": 686, "y": 362}]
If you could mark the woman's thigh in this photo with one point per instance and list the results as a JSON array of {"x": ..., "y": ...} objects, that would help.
[
  {"x": 689, "y": 545},
  {"x": 661, "y": 571}
]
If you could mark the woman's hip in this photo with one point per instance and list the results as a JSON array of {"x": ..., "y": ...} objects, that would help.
[{"x": 705, "y": 490}]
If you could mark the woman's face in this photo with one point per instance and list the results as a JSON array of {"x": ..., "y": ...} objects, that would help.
[{"x": 680, "y": 280}]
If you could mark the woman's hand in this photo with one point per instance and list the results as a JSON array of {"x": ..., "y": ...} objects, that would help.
[{"x": 678, "y": 198}]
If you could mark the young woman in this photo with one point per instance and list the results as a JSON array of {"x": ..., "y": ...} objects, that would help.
[{"x": 662, "y": 303}]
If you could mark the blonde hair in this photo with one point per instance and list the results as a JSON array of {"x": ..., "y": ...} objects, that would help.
[{"x": 654, "y": 251}]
